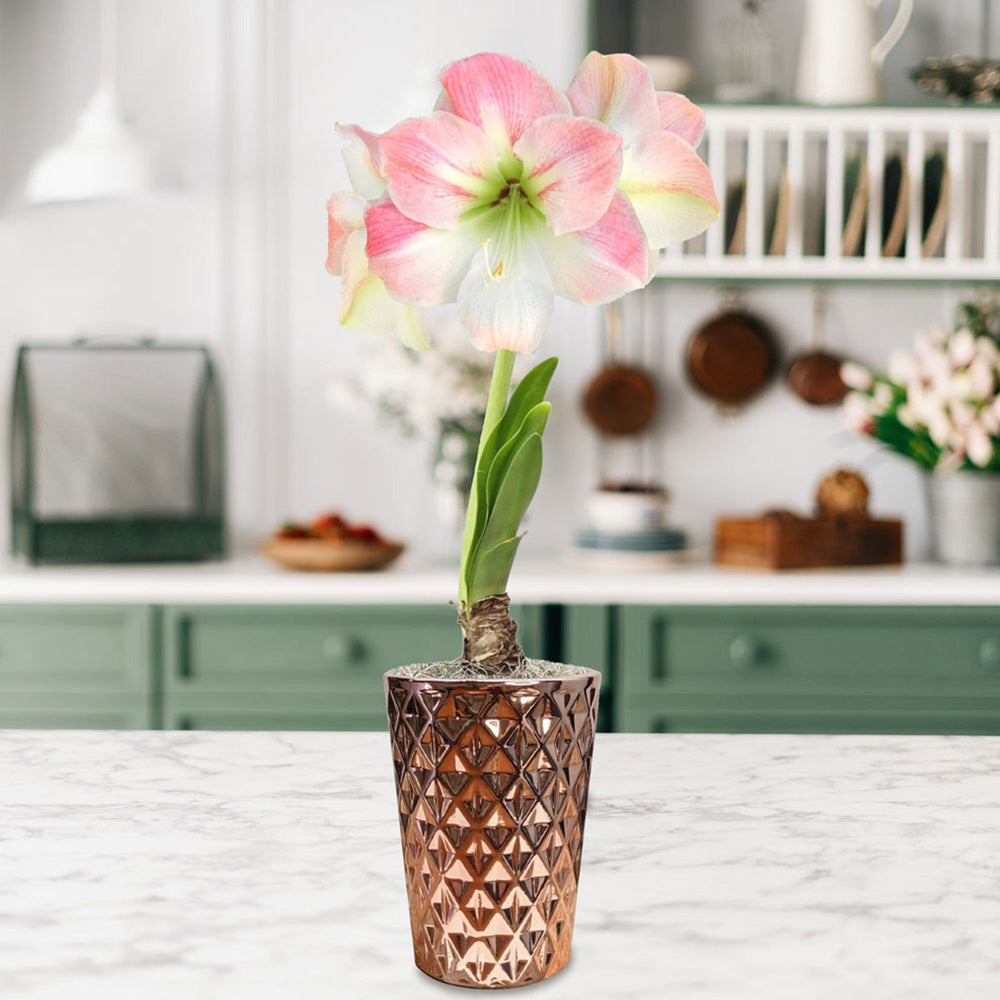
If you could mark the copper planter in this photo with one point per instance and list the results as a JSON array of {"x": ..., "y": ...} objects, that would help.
[{"x": 491, "y": 783}]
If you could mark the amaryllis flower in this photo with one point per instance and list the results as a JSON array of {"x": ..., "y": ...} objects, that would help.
[
  {"x": 365, "y": 303},
  {"x": 662, "y": 176},
  {"x": 511, "y": 192}
]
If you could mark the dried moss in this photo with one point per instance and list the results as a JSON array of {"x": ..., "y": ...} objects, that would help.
[{"x": 461, "y": 670}]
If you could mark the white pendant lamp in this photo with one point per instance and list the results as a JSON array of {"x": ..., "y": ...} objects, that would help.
[{"x": 101, "y": 158}]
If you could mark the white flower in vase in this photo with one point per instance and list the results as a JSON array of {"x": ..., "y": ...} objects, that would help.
[
  {"x": 940, "y": 427},
  {"x": 856, "y": 376},
  {"x": 979, "y": 446},
  {"x": 882, "y": 399},
  {"x": 962, "y": 347},
  {"x": 857, "y": 412},
  {"x": 903, "y": 367},
  {"x": 982, "y": 379},
  {"x": 961, "y": 413}
]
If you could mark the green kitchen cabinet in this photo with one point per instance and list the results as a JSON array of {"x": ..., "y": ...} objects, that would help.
[
  {"x": 302, "y": 667},
  {"x": 588, "y": 640},
  {"x": 76, "y": 666},
  {"x": 808, "y": 669}
]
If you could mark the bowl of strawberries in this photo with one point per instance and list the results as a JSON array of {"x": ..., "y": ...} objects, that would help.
[{"x": 330, "y": 544}]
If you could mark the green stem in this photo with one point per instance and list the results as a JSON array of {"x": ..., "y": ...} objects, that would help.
[{"x": 496, "y": 403}]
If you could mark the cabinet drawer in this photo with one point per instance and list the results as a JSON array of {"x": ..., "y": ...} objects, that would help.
[
  {"x": 75, "y": 649},
  {"x": 250, "y": 649},
  {"x": 316, "y": 649},
  {"x": 907, "y": 652},
  {"x": 56, "y": 710},
  {"x": 884, "y": 720},
  {"x": 262, "y": 714}
]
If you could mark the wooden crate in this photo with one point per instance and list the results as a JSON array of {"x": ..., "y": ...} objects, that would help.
[{"x": 776, "y": 542}]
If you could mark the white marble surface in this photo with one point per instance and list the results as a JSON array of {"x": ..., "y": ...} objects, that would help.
[
  {"x": 252, "y": 580},
  {"x": 244, "y": 866}
]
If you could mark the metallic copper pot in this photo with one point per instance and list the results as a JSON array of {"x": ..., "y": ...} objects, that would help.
[{"x": 491, "y": 782}]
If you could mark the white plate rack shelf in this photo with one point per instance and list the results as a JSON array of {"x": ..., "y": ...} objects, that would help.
[{"x": 854, "y": 194}]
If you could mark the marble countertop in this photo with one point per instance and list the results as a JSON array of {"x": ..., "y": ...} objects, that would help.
[
  {"x": 252, "y": 580},
  {"x": 212, "y": 866}
]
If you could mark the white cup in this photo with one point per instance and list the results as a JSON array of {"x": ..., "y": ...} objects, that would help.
[
  {"x": 668, "y": 72},
  {"x": 616, "y": 511}
]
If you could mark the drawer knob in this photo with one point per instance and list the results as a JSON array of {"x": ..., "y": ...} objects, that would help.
[
  {"x": 338, "y": 647},
  {"x": 989, "y": 652},
  {"x": 745, "y": 651}
]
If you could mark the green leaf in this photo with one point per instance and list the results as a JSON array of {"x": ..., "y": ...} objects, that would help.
[
  {"x": 514, "y": 494},
  {"x": 529, "y": 393},
  {"x": 534, "y": 423},
  {"x": 493, "y": 569},
  {"x": 524, "y": 400}
]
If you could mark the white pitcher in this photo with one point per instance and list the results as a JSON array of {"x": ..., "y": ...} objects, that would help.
[{"x": 840, "y": 61}]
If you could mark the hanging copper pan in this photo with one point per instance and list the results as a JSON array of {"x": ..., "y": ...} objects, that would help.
[
  {"x": 620, "y": 399},
  {"x": 732, "y": 357},
  {"x": 814, "y": 375}
]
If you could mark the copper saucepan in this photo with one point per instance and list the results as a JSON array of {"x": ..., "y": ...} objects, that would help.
[
  {"x": 814, "y": 375},
  {"x": 620, "y": 399},
  {"x": 732, "y": 357}
]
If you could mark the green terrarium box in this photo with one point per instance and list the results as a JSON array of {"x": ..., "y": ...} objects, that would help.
[{"x": 116, "y": 453}]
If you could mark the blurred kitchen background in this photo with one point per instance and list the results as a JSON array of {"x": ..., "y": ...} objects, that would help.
[{"x": 236, "y": 100}]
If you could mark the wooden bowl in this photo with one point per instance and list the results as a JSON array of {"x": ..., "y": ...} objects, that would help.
[{"x": 317, "y": 555}]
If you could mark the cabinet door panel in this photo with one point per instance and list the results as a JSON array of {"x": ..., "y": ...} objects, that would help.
[
  {"x": 287, "y": 649},
  {"x": 75, "y": 649},
  {"x": 906, "y": 651},
  {"x": 55, "y": 710},
  {"x": 343, "y": 648}
]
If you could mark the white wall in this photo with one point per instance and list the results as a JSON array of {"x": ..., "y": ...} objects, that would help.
[{"x": 240, "y": 98}]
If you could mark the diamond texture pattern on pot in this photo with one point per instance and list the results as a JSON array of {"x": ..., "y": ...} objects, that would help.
[{"x": 491, "y": 782}]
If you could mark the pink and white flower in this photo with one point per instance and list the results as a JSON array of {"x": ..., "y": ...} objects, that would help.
[
  {"x": 962, "y": 347},
  {"x": 365, "y": 303},
  {"x": 856, "y": 376},
  {"x": 902, "y": 367},
  {"x": 857, "y": 413},
  {"x": 979, "y": 446},
  {"x": 512, "y": 192}
]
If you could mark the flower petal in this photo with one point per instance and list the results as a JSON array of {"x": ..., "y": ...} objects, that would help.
[
  {"x": 345, "y": 213},
  {"x": 367, "y": 306},
  {"x": 420, "y": 265},
  {"x": 571, "y": 169},
  {"x": 510, "y": 311},
  {"x": 501, "y": 95},
  {"x": 602, "y": 263},
  {"x": 669, "y": 187},
  {"x": 681, "y": 116},
  {"x": 618, "y": 91},
  {"x": 361, "y": 157},
  {"x": 439, "y": 167}
]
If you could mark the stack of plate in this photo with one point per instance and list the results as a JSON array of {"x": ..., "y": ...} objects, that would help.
[
  {"x": 895, "y": 205},
  {"x": 626, "y": 530}
]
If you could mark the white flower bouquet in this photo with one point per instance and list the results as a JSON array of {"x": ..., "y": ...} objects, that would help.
[
  {"x": 939, "y": 404},
  {"x": 421, "y": 393}
]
